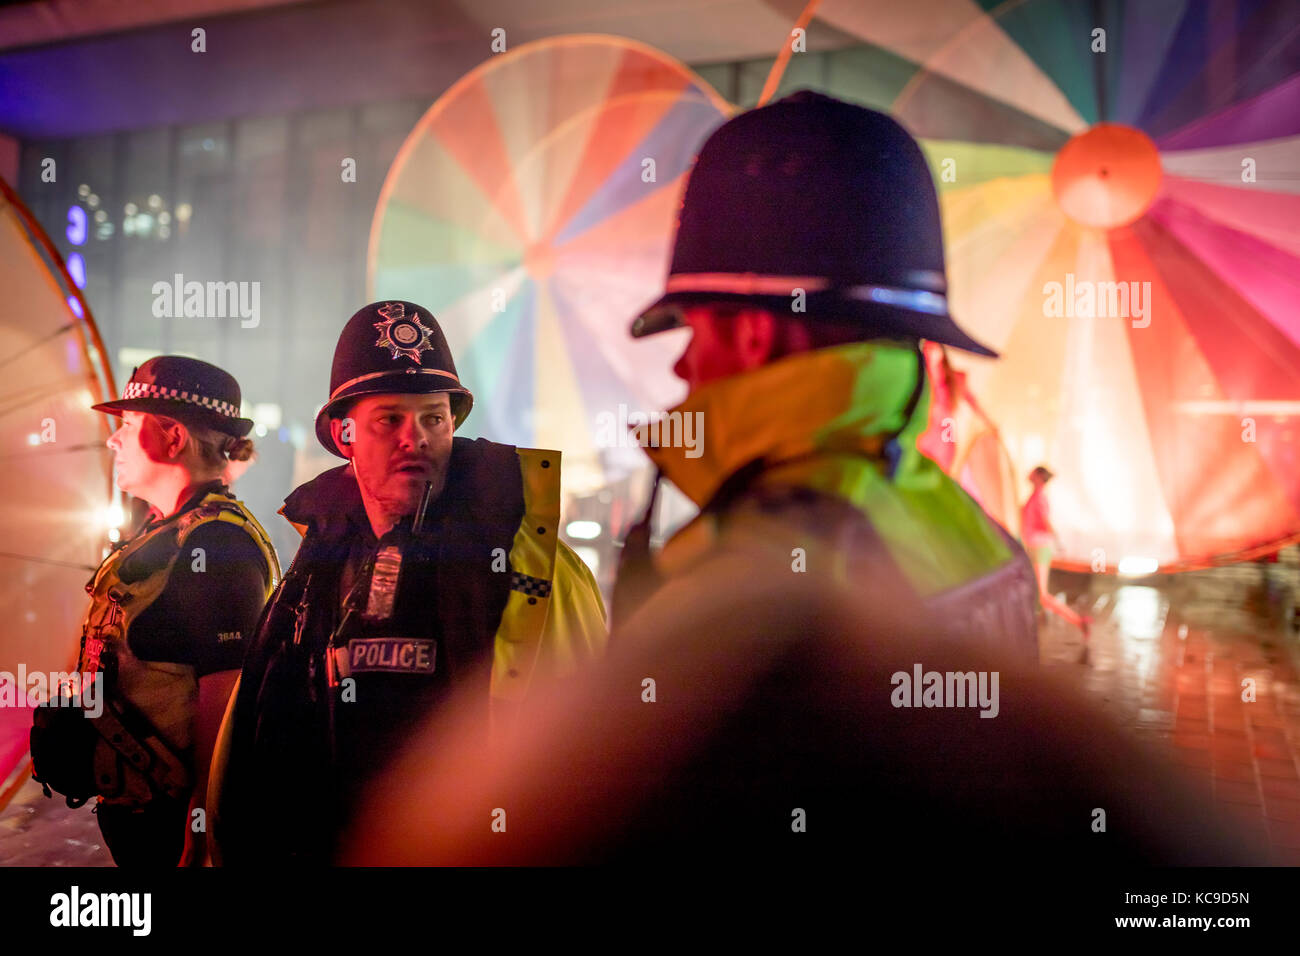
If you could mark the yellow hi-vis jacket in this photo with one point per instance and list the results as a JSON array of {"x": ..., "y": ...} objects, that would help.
[{"x": 814, "y": 458}]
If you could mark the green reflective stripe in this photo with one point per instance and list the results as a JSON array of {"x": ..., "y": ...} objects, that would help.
[
  {"x": 877, "y": 394},
  {"x": 829, "y": 420},
  {"x": 938, "y": 535}
]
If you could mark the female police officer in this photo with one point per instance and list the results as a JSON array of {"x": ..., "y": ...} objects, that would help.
[{"x": 171, "y": 608}]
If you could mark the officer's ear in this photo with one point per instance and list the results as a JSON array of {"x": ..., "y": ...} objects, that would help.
[
  {"x": 753, "y": 337},
  {"x": 176, "y": 437},
  {"x": 341, "y": 430}
]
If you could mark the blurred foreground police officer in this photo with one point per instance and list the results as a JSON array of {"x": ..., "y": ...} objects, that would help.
[
  {"x": 171, "y": 611},
  {"x": 809, "y": 265},
  {"x": 779, "y": 724},
  {"x": 429, "y": 564}
]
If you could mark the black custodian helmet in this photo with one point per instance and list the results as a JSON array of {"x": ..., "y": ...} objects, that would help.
[
  {"x": 390, "y": 348},
  {"x": 815, "y": 194}
]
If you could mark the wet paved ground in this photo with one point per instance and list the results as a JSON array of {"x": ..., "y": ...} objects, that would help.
[
  {"x": 1170, "y": 662},
  {"x": 35, "y": 831},
  {"x": 1167, "y": 657}
]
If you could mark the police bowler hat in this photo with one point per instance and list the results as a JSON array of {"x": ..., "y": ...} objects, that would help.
[
  {"x": 186, "y": 389},
  {"x": 813, "y": 194},
  {"x": 387, "y": 348}
]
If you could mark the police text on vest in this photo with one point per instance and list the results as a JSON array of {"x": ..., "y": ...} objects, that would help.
[{"x": 394, "y": 655}]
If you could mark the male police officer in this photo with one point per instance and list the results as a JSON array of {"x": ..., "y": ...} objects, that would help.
[
  {"x": 429, "y": 565},
  {"x": 809, "y": 265}
]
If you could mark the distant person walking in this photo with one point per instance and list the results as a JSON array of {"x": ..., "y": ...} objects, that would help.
[
  {"x": 1041, "y": 541},
  {"x": 1036, "y": 529}
]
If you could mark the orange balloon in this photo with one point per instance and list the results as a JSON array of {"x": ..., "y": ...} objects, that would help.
[{"x": 1106, "y": 177}]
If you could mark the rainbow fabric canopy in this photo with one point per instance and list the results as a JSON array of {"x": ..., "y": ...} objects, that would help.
[
  {"x": 531, "y": 210},
  {"x": 1121, "y": 200}
]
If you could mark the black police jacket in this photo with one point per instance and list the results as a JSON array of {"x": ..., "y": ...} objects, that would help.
[{"x": 296, "y": 765}]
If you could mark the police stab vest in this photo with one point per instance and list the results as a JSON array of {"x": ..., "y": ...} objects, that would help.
[{"x": 164, "y": 694}]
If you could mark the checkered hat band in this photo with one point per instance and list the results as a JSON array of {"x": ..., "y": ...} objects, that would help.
[
  {"x": 536, "y": 587},
  {"x": 147, "y": 390}
]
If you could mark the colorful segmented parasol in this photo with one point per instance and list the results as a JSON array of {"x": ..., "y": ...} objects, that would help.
[
  {"x": 56, "y": 482},
  {"x": 1121, "y": 200},
  {"x": 531, "y": 209}
]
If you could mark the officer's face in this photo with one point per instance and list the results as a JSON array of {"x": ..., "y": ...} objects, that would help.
[
  {"x": 398, "y": 442},
  {"x": 141, "y": 454},
  {"x": 725, "y": 341}
]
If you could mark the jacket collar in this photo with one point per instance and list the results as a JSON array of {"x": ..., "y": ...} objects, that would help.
[
  {"x": 331, "y": 504},
  {"x": 214, "y": 487},
  {"x": 328, "y": 504},
  {"x": 848, "y": 399}
]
